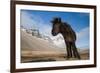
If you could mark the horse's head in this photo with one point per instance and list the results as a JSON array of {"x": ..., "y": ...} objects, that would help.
[{"x": 56, "y": 22}]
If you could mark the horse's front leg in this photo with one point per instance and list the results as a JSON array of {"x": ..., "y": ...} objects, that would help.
[{"x": 68, "y": 48}]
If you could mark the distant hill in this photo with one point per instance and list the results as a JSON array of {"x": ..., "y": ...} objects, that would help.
[{"x": 29, "y": 42}]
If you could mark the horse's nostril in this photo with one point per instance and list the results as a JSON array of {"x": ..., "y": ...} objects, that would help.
[{"x": 54, "y": 34}]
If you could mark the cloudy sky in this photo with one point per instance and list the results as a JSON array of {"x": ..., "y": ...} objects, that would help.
[{"x": 31, "y": 19}]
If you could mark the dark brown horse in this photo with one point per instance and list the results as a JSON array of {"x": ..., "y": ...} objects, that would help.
[{"x": 68, "y": 35}]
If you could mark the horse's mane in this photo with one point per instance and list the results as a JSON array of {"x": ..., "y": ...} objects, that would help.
[{"x": 66, "y": 28}]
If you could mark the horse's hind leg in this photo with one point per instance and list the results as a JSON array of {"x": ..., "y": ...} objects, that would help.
[
  {"x": 67, "y": 48},
  {"x": 69, "y": 51},
  {"x": 75, "y": 52}
]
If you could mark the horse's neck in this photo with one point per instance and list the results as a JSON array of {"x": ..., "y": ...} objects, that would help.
[{"x": 64, "y": 27}]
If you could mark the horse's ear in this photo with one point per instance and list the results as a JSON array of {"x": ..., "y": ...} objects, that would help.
[
  {"x": 56, "y": 19},
  {"x": 59, "y": 20}
]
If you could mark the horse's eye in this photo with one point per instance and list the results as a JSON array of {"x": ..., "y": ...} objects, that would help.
[{"x": 53, "y": 24}]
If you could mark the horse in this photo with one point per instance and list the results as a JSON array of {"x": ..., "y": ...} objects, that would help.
[{"x": 68, "y": 34}]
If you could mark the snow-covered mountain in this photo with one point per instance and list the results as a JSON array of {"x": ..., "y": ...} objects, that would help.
[
  {"x": 29, "y": 42},
  {"x": 57, "y": 41}
]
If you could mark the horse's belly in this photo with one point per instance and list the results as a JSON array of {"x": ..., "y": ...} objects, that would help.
[{"x": 70, "y": 39}]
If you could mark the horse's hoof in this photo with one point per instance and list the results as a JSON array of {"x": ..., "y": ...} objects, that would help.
[
  {"x": 79, "y": 58},
  {"x": 68, "y": 57}
]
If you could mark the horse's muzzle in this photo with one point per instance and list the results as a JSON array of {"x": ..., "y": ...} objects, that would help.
[{"x": 54, "y": 34}]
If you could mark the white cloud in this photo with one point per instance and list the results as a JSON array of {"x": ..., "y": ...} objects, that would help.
[
  {"x": 32, "y": 21},
  {"x": 83, "y": 38},
  {"x": 83, "y": 33},
  {"x": 26, "y": 20}
]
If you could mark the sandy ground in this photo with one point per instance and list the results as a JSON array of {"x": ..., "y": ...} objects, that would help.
[
  {"x": 39, "y": 56},
  {"x": 35, "y": 49}
]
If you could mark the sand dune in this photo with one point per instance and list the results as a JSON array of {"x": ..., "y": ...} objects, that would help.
[
  {"x": 35, "y": 49},
  {"x": 29, "y": 42}
]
